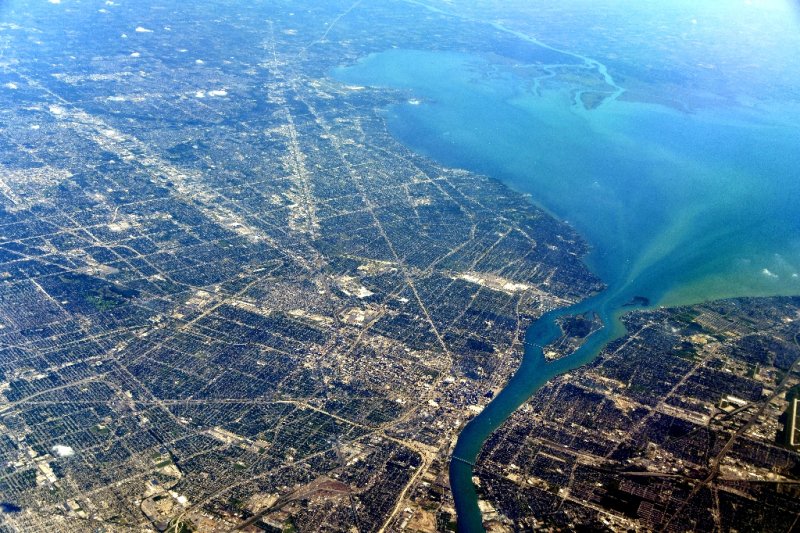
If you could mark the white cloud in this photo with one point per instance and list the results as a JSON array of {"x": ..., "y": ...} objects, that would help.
[
  {"x": 63, "y": 451},
  {"x": 767, "y": 272}
]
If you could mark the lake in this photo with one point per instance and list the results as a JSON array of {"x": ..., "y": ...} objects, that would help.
[{"x": 679, "y": 207}]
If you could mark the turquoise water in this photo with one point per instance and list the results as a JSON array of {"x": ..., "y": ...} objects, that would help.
[
  {"x": 687, "y": 206},
  {"x": 678, "y": 207}
]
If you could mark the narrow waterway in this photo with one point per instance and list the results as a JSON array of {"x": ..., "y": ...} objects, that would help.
[{"x": 533, "y": 373}]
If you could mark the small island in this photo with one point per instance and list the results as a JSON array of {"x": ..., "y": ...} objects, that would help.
[{"x": 575, "y": 329}]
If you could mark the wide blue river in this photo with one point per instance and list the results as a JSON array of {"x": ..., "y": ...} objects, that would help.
[{"x": 678, "y": 207}]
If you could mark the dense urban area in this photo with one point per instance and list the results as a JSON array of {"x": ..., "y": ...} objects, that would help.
[
  {"x": 689, "y": 422},
  {"x": 231, "y": 300}
]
